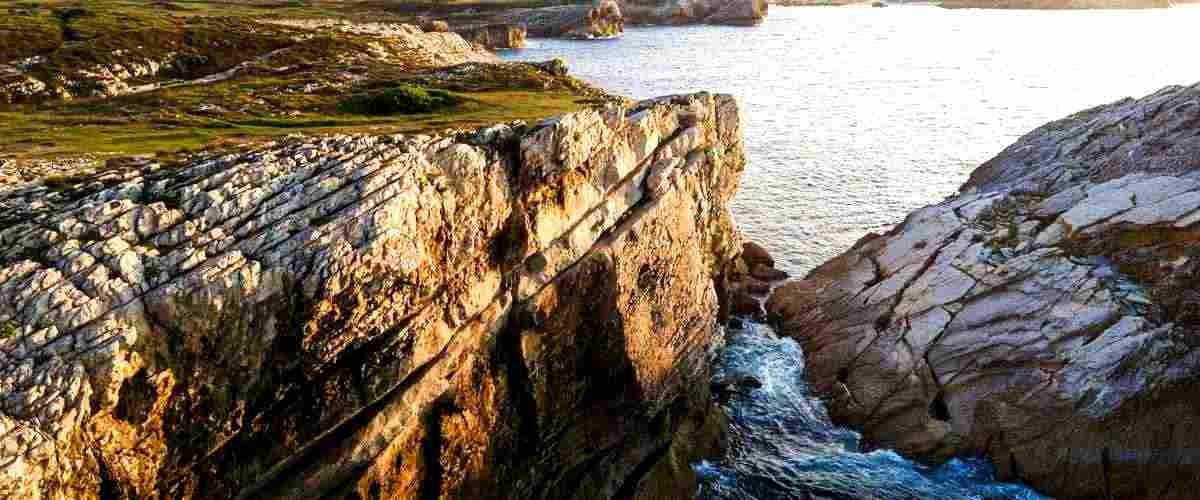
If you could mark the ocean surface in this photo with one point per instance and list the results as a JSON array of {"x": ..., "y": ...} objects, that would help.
[
  {"x": 856, "y": 116},
  {"x": 853, "y": 117}
]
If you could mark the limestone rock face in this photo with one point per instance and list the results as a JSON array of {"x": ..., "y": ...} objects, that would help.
[
  {"x": 600, "y": 19},
  {"x": 731, "y": 12},
  {"x": 523, "y": 312},
  {"x": 495, "y": 36},
  {"x": 1046, "y": 316}
]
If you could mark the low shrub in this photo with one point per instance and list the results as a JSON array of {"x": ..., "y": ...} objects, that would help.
[{"x": 405, "y": 99}]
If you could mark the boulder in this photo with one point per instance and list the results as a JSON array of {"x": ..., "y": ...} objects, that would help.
[
  {"x": 677, "y": 12},
  {"x": 746, "y": 305},
  {"x": 1046, "y": 317},
  {"x": 767, "y": 273},
  {"x": 597, "y": 20},
  {"x": 753, "y": 254},
  {"x": 495, "y": 36},
  {"x": 476, "y": 314},
  {"x": 434, "y": 25},
  {"x": 738, "y": 13},
  {"x": 556, "y": 67}
]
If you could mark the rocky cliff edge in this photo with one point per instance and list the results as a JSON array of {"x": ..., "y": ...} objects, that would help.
[{"x": 525, "y": 312}]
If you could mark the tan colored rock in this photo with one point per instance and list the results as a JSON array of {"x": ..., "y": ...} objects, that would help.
[
  {"x": 599, "y": 19},
  {"x": 495, "y": 36},
  {"x": 678, "y": 12},
  {"x": 435, "y": 26},
  {"x": 1045, "y": 317},
  {"x": 378, "y": 317}
]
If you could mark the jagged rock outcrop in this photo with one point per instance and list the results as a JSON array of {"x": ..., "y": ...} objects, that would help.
[
  {"x": 1047, "y": 316},
  {"x": 731, "y": 12},
  {"x": 599, "y": 19},
  {"x": 518, "y": 312},
  {"x": 494, "y": 36}
]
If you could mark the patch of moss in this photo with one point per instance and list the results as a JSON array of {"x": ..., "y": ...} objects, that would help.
[
  {"x": 404, "y": 99},
  {"x": 27, "y": 31},
  {"x": 8, "y": 329}
]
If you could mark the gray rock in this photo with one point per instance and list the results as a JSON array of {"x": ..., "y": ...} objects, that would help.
[{"x": 1045, "y": 317}]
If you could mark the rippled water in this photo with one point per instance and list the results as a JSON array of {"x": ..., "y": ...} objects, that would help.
[
  {"x": 782, "y": 444},
  {"x": 856, "y": 116},
  {"x": 853, "y": 118}
]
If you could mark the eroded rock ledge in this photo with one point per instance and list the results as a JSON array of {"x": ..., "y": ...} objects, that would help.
[
  {"x": 525, "y": 312},
  {"x": 678, "y": 12},
  {"x": 1047, "y": 316}
]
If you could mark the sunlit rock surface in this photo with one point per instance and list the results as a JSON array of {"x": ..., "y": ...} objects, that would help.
[
  {"x": 596, "y": 19},
  {"x": 731, "y": 12},
  {"x": 525, "y": 312},
  {"x": 1045, "y": 317}
]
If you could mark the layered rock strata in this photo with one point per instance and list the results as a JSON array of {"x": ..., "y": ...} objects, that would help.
[
  {"x": 518, "y": 312},
  {"x": 495, "y": 36},
  {"x": 1047, "y": 316}
]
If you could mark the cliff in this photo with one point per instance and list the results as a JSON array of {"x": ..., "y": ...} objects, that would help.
[
  {"x": 676, "y": 12},
  {"x": 1056, "y": 4},
  {"x": 1046, "y": 316},
  {"x": 517, "y": 312},
  {"x": 596, "y": 19},
  {"x": 495, "y": 36}
]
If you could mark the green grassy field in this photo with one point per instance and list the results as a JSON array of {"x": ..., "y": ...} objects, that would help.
[{"x": 257, "y": 104}]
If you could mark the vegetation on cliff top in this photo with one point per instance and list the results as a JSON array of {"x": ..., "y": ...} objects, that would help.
[{"x": 308, "y": 84}]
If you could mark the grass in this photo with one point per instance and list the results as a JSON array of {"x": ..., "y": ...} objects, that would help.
[
  {"x": 321, "y": 94},
  {"x": 72, "y": 130}
]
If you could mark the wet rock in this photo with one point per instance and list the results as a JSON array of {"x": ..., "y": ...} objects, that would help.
[
  {"x": 376, "y": 317},
  {"x": 746, "y": 305},
  {"x": 767, "y": 273},
  {"x": 755, "y": 287},
  {"x": 1045, "y": 317},
  {"x": 753, "y": 254},
  {"x": 735, "y": 382}
]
